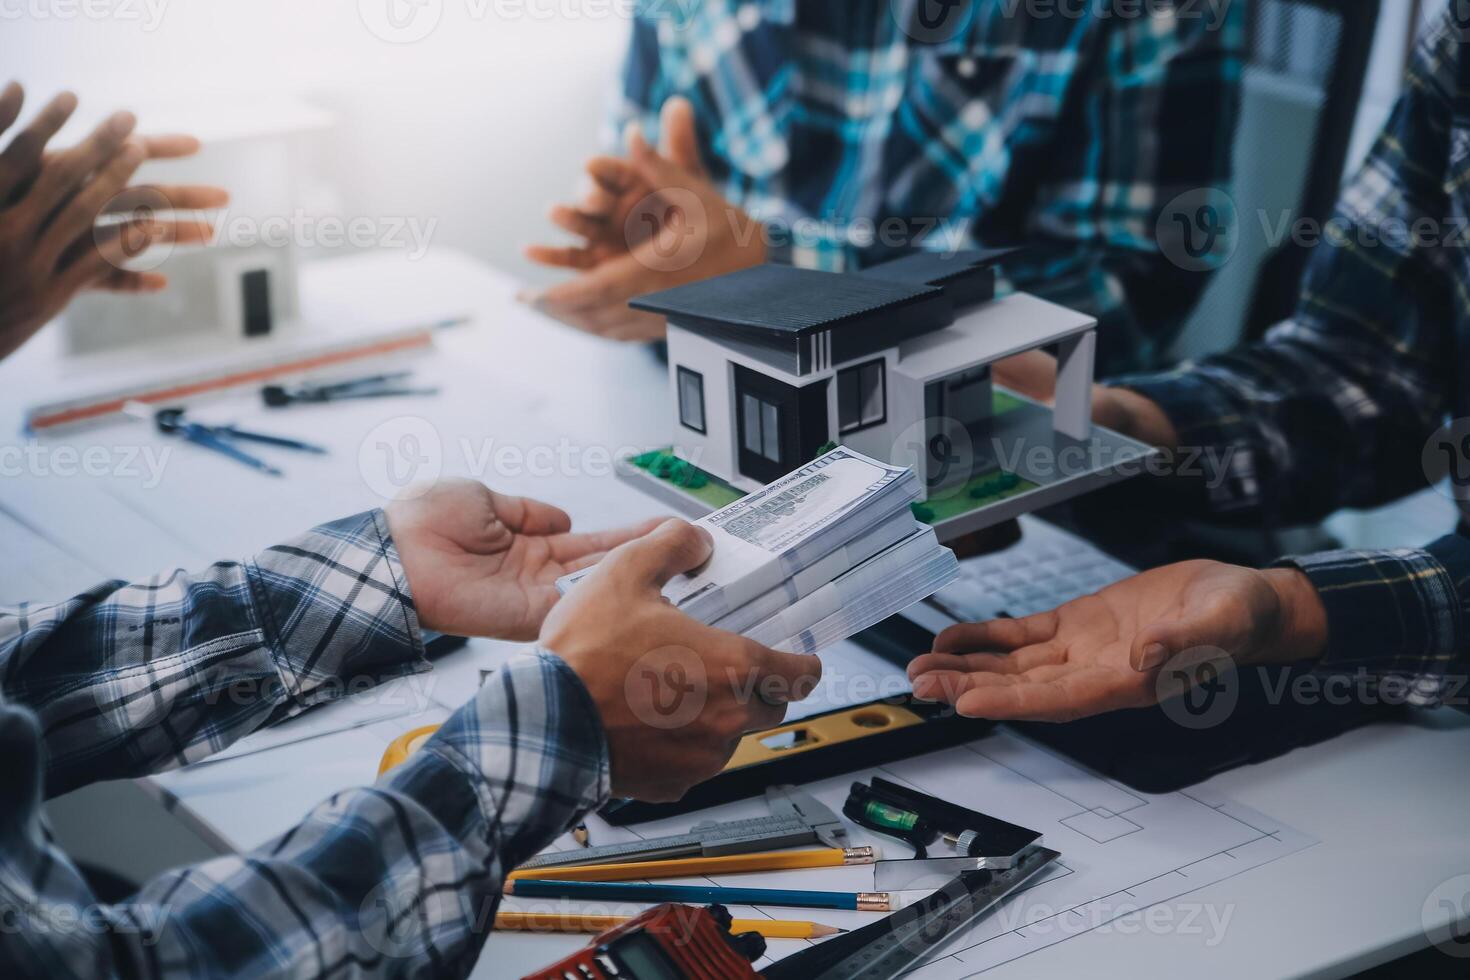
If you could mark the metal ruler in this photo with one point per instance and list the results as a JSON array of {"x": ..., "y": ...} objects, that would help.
[
  {"x": 893, "y": 946},
  {"x": 796, "y": 818}
]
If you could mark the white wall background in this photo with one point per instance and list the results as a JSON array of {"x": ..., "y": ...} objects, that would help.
[{"x": 481, "y": 125}]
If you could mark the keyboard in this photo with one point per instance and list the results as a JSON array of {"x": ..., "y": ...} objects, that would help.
[{"x": 1046, "y": 568}]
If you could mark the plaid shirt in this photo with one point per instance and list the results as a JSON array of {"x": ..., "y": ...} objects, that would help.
[
  {"x": 853, "y": 130},
  {"x": 1342, "y": 406},
  {"x": 398, "y": 878}
]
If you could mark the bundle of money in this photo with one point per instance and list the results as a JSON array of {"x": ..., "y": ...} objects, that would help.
[{"x": 820, "y": 554}]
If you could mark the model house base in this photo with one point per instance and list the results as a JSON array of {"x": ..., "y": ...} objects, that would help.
[{"x": 771, "y": 365}]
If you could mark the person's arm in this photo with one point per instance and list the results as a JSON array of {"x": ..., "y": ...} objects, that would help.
[
  {"x": 404, "y": 877},
  {"x": 134, "y": 678},
  {"x": 1331, "y": 410},
  {"x": 129, "y": 679}
]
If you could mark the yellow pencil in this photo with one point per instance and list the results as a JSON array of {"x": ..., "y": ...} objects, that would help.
[
  {"x": 826, "y": 857},
  {"x": 594, "y": 924}
]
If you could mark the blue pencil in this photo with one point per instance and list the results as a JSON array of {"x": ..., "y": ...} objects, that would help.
[{"x": 623, "y": 891}]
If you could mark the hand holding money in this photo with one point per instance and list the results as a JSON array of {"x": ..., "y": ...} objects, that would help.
[{"x": 674, "y": 695}]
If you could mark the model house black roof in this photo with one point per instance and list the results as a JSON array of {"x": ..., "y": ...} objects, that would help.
[{"x": 802, "y": 320}]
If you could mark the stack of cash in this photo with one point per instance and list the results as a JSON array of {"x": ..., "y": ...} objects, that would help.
[{"x": 820, "y": 554}]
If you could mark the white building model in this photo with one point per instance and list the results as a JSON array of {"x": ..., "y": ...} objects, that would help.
[{"x": 772, "y": 364}]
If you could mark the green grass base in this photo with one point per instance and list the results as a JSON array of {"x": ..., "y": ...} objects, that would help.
[
  {"x": 979, "y": 492},
  {"x": 687, "y": 478}
]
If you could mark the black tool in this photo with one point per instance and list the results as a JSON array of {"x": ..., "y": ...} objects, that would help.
[
  {"x": 373, "y": 386},
  {"x": 222, "y": 439},
  {"x": 895, "y": 945},
  {"x": 920, "y": 820}
]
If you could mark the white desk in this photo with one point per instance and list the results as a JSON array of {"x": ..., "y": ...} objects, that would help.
[{"x": 1387, "y": 803}]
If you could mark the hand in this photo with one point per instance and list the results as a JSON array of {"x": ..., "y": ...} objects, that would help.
[
  {"x": 51, "y": 246},
  {"x": 675, "y": 695},
  {"x": 482, "y": 564},
  {"x": 653, "y": 221},
  {"x": 1034, "y": 374},
  {"x": 1106, "y": 651}
]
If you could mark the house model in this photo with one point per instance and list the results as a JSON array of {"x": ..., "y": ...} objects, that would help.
[{"x": 771, "y": 365}]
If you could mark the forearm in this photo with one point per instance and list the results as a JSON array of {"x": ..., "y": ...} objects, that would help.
[
  {"x": 129, "y": 679},
  {"x": 400, "y": 878}
]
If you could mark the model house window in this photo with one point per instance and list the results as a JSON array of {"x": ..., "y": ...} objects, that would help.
[
  {"x": 861, "y": 397},
  {"x": 762, "y": 427},
  {"x": 691, "y": 399}
]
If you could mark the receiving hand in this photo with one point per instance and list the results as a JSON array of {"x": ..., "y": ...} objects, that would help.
[
  {"x": 483, "y": 564},
  {"x": 675, "y": 696},
  {"x": 652, "y": 221},
  {"x": 51, "y": 245},
  {"x": 1106, "y": 651}
]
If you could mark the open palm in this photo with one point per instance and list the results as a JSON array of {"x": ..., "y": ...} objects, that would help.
[
  {"x": 1104, "y": 651},
  {"x": 480, "y": 563}
]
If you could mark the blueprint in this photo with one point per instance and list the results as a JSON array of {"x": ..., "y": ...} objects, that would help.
[{"x": 1127, "y": 858}]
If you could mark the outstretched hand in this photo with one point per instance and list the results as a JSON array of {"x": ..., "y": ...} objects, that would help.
[
  {"x": 71, "y": 219},
  {"x": 1106, "y": 651},
  {"x": 652, "y": 221},
  {"x": 480, "y": 563}
]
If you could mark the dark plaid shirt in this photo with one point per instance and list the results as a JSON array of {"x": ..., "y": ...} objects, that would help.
[
  {"x": 854, "y": 127},
  {"x": 399, "y": 878},
  {"x": 1343, "y": 406}
]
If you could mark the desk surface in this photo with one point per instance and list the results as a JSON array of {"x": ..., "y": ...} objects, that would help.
[{"x": 1390, "y": 821}]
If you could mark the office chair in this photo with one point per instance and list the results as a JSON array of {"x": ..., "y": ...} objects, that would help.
[
  {"x": 1303, "y": 80},
  {"x": 1342, "y": 33}
]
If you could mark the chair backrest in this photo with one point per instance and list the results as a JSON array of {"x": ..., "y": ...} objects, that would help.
[{"x": 1300, "y": 93}]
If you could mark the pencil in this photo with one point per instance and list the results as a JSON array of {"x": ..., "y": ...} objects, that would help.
[
  {"x": 627, "y": 891},
  {"x": 594, "y": 924},
  {"x": 825, "y": 857}
]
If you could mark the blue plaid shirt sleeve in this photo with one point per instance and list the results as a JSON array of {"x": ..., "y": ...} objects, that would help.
[
  {"x": 1086, "y": 139},
  {"x": 128, "y": 679},
  {"x": 400, "y": 877},
  {"x": 1333, "y": 408}
]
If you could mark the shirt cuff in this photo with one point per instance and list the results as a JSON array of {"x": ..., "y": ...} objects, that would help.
[
  {"x": 335, "y": 609},
  {"x": 1215, "y": 441},
  {"x": 1396, "y": 614},
  {"x": 532, "y": 747}
]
